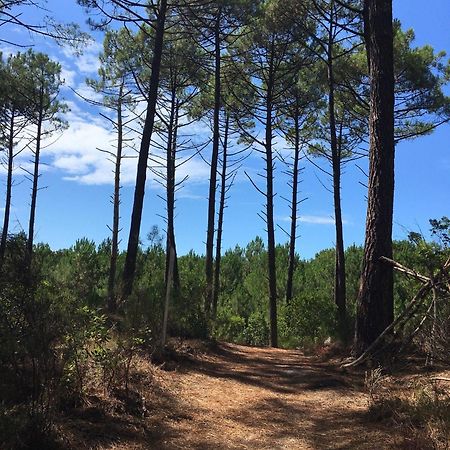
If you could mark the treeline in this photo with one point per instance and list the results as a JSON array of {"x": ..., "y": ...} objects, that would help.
[{"x": 79, "y": 276}]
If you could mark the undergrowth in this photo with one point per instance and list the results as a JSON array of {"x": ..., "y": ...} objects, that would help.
[{"x": 421, "y": 408}]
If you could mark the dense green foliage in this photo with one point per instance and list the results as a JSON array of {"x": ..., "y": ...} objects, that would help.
[{"x": 78, "y": 277}]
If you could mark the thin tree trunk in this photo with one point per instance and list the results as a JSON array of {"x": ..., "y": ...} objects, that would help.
[
  {"x": 271, "y": 258},
  {"x": 5, "y": 228},
  {"x": 34, "y": 191},
  {"x": 168, "y": 296},
  {"x": 375, "y": 298},
  {"x": 176, "y": 273},
  {"x": 112, "y": 304},
  {"x": 170, "y": 193},
  {"x": 294, "y": 204},
  {"x": 209, "y": 273},
  {"x": 223, "y": 192},
  {"x": 138, "y": 203},
  {"x": 339, "y": 271}
]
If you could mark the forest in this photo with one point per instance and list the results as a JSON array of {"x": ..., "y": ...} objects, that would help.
[{"x": 132, "y": 343}]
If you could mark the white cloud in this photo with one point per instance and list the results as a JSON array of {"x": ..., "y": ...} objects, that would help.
[
  {"x": 88, "y": 62},
  {"x": 319, "y": 220},
  {"x": 75, "y": 154},
  {"x": 87, "y": 92},
  {"x": 315, "y": 219},
  {"x": 196, "y": 169},
  {"x": 8, "y": 51},
  {"x": 190, "y": 196},
  {"x": 69, "y": 76}
]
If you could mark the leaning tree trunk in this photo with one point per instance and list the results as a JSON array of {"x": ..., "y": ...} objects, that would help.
[
  {"x": 141, "y": 176},
  {"x": 112, "y": 303},
  {"x": 209, "y": 262},
  {"x": 294, "y": 205},
  {"x": 5, "y": 228},
  {"x": 34, "y": 191},
  {"x": 223, "y": 193},
  {"x": 271, "y": 258},
  {"x": 375, "y": 298}
]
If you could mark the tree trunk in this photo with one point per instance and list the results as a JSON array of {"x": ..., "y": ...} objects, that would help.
[
  {"x": 339, "y": 271},
  {"x": 171, "y": 277},
  {"x": 294, "y": 204},
  {"x": 168, "y": 296},
  {"x": 138, "y": 203},
  {"x": 176, "y": 272},
  {"x": 34, "y": 191},
  {"x": 271, "y": 258},
  {"x": 112, "y": 304},
  {"x": 223, "y": 192},
  {"x": 375, "y": 298},
  {"x": 213, "y": 176},
  {"x": 5, "y": 228}
]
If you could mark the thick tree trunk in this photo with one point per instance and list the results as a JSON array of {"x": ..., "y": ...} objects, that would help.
[
  {"x": 294, "y": 212},
  {"x": 209, "y": 263},
  {"x": 34, "y": 191},
  {"x": 271, "y": 258},
  {"x": 112, "y": 303},
  {"x": 375, "y": 299},
  {"x": 5, "y": 228},
  {"x": 138, "y": 203},
  {"x": 223, "y": 193}
]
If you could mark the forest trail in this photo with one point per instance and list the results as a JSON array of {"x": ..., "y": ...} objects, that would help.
[
  {"x": 260, "y": 398},
  {"x": 236, "y": 397}
]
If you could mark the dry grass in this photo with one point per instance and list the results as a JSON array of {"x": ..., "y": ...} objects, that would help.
[{"x": 419, "y": 405}]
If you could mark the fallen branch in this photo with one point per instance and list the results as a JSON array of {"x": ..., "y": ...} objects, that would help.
[
  {"x": 423, "y": 291},
  {"x": 401, "y": 268},
  {"x": 411, "y": 308},
  {"x": 419, "y": 327}
]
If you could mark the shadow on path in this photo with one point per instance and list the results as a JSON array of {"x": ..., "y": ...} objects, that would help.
[{"x": 280, "y": 371}]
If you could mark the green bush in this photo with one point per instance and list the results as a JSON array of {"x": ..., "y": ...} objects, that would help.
[{"x": 256, "y": 331}]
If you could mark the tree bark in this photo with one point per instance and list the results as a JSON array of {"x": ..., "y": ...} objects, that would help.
[
  {"x": 5, "y": 228},
  {"x": 34, "y": 191},
  {"x": 375, "y": 298},
  {"x": 294, "y": 204},
  {"x": 171, "y": 277},
  {"x": 223, "y": 191},
  {"x": 209, "y": 262},
  {"x": 138, "y": 203},
  {"x": 168, "y": 297},
  {"x": 271, "y": 258},
  {"x": 112, "y": 303},
  {"x": 339, "y": 271}
]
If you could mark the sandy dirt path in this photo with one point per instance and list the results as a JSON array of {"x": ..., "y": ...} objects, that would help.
[
  {"x": 255, "y": 398},
  {"x": 235, "y": 397}
]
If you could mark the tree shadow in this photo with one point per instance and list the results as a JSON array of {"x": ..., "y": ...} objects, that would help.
[
  {"x": 279, "y": 371},
  {"x": 108, "y": 426}
]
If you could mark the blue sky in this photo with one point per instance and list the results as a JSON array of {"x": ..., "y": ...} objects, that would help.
[{"x": 79, "y": 181}]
